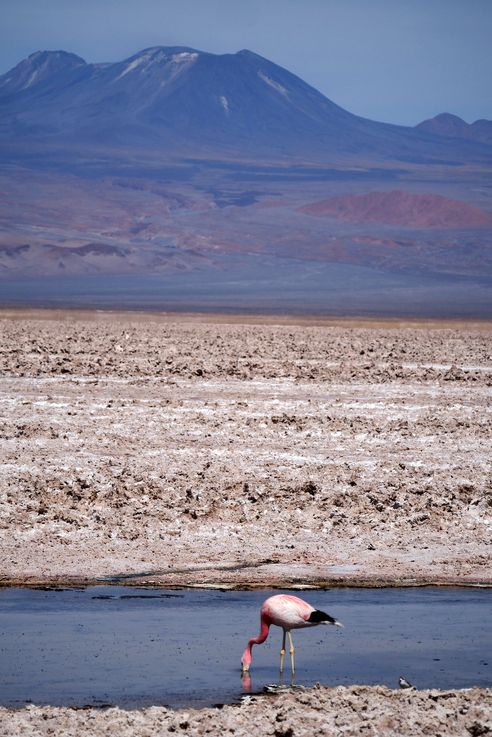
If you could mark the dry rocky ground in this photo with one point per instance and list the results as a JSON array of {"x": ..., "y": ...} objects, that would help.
[
  {"x": 358, "y": 710},
  {"x": 235, "y": 453},
  {"x": 222, "y": 451}
]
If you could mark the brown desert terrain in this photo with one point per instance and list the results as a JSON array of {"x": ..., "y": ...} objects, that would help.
[{"x": 229, "y": 451}]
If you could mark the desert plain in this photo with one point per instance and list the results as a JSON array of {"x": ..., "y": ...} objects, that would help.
[{"x": 233, "y": 451}]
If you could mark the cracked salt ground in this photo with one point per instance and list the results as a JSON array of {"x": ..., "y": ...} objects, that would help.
[
  {"x": 135, "y": 647},
  {"x": 305, "y": 452}
]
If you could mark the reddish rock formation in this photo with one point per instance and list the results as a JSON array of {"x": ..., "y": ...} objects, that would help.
[{"x": 401, "y": 208}]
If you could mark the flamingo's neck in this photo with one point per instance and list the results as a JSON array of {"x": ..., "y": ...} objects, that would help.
[{"x": 247, "y": 657}]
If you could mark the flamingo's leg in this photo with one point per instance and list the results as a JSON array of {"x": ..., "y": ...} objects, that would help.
[
  {"x": 291, "y": 650},
  {"x": 282, "y": 653}
]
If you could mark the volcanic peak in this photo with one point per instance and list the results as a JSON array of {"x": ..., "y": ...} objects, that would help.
[
  {"x": 38, "y": 67},
  {"x": 157, "y": 56}
]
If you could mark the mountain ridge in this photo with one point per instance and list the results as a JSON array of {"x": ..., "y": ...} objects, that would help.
[{"x": 182, "y": 98}]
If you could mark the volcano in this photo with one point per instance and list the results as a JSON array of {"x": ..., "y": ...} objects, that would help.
[
  {"x": 198, "y": 181},
  {"x": 183, "y": 100}
]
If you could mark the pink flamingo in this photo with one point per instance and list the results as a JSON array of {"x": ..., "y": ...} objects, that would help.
[{"x": 290, "y": 613}]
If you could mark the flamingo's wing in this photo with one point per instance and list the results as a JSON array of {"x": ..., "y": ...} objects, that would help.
[{"x": 288, "y": 612}]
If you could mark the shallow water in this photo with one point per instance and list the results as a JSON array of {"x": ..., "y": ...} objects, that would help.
[{"x": 141, "y": 646}]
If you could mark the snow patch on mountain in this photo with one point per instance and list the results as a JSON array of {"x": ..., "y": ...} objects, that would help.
[
  {"x": 134, "y": 65},
  {"x": 154, "y": 56},
  {"x": 31, "y": 79},
  {"x": 185, "y": 56},
  {"x": 275, "y": 85}
]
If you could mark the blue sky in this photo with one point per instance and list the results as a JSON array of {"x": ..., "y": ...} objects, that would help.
[{"x": 400, "y": 61}]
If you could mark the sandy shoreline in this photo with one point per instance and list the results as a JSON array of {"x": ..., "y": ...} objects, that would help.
[{"x": 351, "y": 710}]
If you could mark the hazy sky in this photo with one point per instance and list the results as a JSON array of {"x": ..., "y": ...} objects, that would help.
[{"x": 400, "y": 61}]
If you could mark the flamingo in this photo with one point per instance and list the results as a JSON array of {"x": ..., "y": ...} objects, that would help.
[{"x": 288, "y": 612}]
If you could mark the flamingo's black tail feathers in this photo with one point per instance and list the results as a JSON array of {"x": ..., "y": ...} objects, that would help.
[{"x": 319, "y": 617}]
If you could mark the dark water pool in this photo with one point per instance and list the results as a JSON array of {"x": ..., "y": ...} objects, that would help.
[{"x": 136, "y": 647}]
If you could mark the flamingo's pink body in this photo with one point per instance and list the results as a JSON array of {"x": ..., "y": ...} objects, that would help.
[{"x": 289, "y": 613}]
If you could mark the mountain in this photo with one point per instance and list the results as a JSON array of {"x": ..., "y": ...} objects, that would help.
[
  {"x": 182, "y": 179},
  {"x": 452, "y": 126},
  {"x": 181, "y": 99},
  {"x": 39, "y": 69}
]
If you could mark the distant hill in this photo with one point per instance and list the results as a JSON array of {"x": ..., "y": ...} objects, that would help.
[
  {"x": 402, "y": 208},
  {"x": 452, "y": 126}
]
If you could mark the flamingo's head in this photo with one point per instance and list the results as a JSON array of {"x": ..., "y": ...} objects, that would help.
[{"x": 246, "y": 660}]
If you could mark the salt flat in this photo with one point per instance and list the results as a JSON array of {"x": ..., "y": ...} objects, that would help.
[{"x": 243, "y": 451}]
